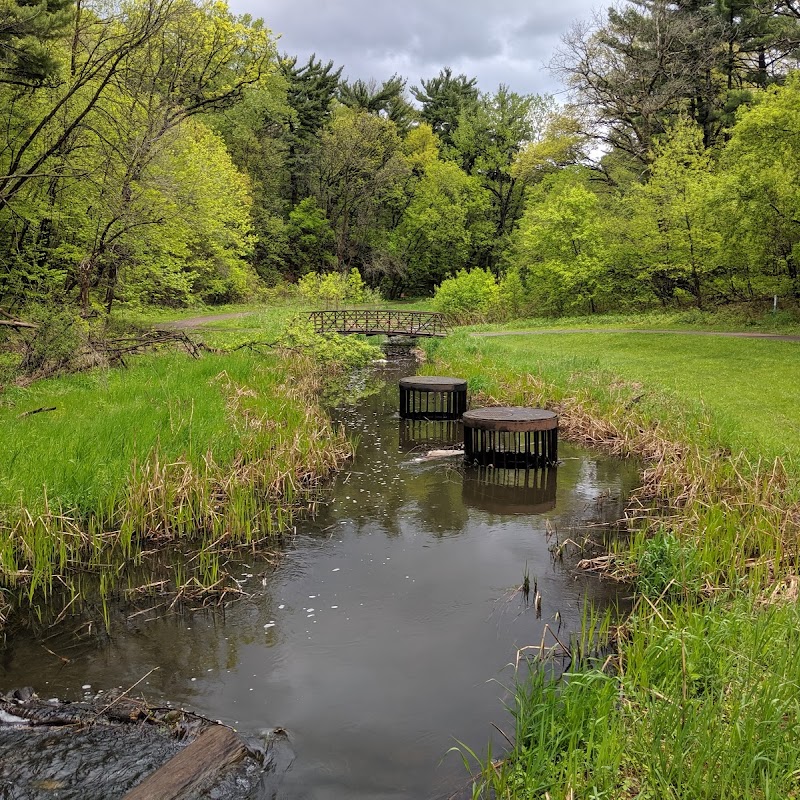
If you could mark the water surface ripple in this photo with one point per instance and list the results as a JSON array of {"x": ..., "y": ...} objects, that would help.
[{"x": 385, "y": 632}]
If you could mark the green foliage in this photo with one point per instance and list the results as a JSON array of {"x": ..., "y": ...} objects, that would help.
[
  {"x": 358, "y": 178},
  {"x": 444, "y": 226},
  {"x": 672, "y": 218},
  {"x": 471, "y": 296},
  {"x": 761, "y": 198},
  {"x": 513, "y": 299},
  {"x": 443, "y": 99},
  {"x": 334, "y": 351},
  {"x": 310, "y": 239},
  {"x": 113, "y": 186},
  {"x": 486, "y": 142},
  {"x": 665, "y": 566},
  {"x": 561, "y": 247},
  {"x": 55, "y": 342},
  {"x": 161, "y": 196},
  {"x": 334, "y": 289},
  {"x": 28, "y": 36},
  {"x": 385, "y": 100}
]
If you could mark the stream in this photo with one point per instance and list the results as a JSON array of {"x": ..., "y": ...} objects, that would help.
[{"x": 387, "y": 630}]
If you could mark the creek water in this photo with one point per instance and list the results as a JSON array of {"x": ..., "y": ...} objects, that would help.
[{"x": 385, "y": 631}]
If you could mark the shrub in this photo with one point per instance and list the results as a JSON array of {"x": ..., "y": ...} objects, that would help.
[
  {"x": 54, "y": 345},
  {"x": 334, "y": 288},
  {"x": 472, "y": 296},
  {"x": 333, "y": 351}
]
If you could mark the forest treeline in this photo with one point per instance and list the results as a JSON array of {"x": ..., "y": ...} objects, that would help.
[{"x": 165, "y": 152}]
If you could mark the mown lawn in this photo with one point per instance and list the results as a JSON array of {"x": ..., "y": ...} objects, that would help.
[{"x": 749, "y": 388}]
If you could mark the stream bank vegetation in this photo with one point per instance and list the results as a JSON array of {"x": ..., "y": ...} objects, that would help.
[
  {"x": 198, "y": 453},
  {"x": 162, "y": 152},
  {"x": 695, "y": 695}
]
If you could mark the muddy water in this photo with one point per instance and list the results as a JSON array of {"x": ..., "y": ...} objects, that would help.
[{"x": 384, "y": 633}]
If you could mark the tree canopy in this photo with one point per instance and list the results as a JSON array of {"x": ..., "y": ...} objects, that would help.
[{"x": 162, "y": 151}]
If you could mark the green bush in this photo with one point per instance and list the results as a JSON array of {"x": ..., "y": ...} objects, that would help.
[
  {"x": 330, "y": 350},
  {"x": 334, "y": 289},
  {"x": 472, "y": 296},
  {"x": 54, "y": 345}
]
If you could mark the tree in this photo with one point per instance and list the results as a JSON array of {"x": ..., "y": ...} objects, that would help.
[
  {"x": 43, "y": 129},
  {"x": 443, "y": 99},
  {"x": 561, "y": 248},
  {"x": 650, "y": 61},
  {"x": 386, "y": 99},
  {"x": 28, "y": 31},
  {"x": 357, "y": 177},
  {"x": 311, "y": 90},
  {"x": 672, "y": 217},
  {"x": 638, "y": 69},
  {"x": 486, "y": 144},
  {"x": 311, "y": 240},
  {"x": 110, "y": 125},
  {"x": 761, "y": 192},
  {"x": 445, "y": 225}
]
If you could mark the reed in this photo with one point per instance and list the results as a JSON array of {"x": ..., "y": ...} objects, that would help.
[
  {"x": 698, "y": 697},
  {"x": 206, "y": 455}
]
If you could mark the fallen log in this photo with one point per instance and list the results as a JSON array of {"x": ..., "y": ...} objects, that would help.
[{"x": 183, "y": 775}]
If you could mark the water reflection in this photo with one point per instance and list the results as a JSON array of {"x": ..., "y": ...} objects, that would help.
[
  {"x": 422, "y": 434},
  {"x": 384, "y": 632},
  {"x": 510, "y": 491}
]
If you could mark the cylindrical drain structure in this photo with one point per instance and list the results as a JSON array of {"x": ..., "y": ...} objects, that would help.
[
  {"x": 512, "y": 437},
  {"x": 432, "y": 397}
]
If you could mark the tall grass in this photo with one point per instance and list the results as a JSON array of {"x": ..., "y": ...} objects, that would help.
[
  {"x": 700, "y": 700},
  {"x": 698, "y": 704},
  {"x": 214, "y": 453}
]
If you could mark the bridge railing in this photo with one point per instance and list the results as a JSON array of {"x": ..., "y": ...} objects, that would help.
[{"x": 380, "y": 321}]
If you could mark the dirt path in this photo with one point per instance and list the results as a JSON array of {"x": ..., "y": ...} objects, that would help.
[
  {"x": 197, "y": 322},
  {"x": 783, "y": 337}
]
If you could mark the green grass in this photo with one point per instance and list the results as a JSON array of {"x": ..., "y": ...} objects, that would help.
[
  {"x": 745, "y": 389},
  {"x": 697, "y": 705},
  {"x": 700, "y": 698},
  {"x": 205, "y": 454},
  {"x": 105, "y": 421},
  {"x": 748, "y": 318}
]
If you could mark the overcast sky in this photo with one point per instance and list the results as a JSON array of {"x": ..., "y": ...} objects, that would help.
[{"x": 508, "y": 41}]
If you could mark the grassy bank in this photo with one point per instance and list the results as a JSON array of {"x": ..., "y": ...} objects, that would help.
[
  {"x": 105, "y": 469},
  {"x": 699, "y": 697}
]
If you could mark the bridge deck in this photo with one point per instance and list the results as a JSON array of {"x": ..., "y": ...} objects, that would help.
[{"x": 379, "y": 321}]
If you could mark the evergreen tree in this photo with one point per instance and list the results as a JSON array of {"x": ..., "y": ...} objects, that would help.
[
  {"x": 443, "y": 100},
  {"x": 28, "y": 30},
  {"x": 311, "y": 89}
]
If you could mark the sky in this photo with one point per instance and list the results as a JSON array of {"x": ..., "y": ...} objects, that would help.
[{"x": 506, "y": 41}]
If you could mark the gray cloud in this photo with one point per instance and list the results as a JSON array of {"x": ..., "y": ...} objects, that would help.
[{"x": 509, "y": 42}]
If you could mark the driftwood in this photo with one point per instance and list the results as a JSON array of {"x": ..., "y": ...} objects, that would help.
[
  {"x": 117, "y": 349},
  {"x": 183, "y": 775},
  {"x": 13, "y": 322}
]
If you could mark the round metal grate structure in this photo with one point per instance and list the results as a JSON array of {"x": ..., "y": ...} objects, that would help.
[
  {"x": 511, "y": 437},
  {"x": 432, "y": 397}
]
